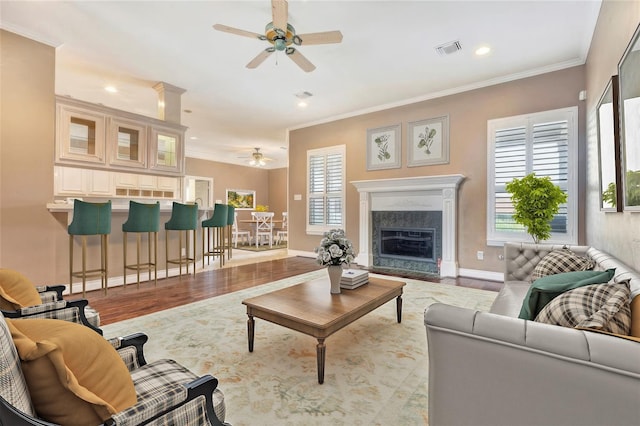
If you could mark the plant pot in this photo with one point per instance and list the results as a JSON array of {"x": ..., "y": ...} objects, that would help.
[{"x": 335, "y": 275}]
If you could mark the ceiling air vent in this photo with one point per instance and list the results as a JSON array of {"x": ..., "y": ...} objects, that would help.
[{"x": 448, "y": 48}]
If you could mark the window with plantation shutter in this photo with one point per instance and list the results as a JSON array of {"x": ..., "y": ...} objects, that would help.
[
  {"x": 325, "y": 189},
  {"x": 543, "y": 143}
]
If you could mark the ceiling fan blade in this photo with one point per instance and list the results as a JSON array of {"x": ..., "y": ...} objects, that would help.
[
  {"x": 237, "y": 31},
  {"x": 299, "y": 59},
  {"x": 325, "y": 37},
  {"x": 280, "y": 12},
  {"x": 260, "y": 58}
]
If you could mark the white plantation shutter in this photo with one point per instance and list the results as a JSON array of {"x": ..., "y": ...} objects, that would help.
[
  {"x": 542, "y": 143},
  {"x": 325, "y": 189}
]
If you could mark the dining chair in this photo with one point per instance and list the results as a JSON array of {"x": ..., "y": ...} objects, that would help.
[
  {"x": 282, "y": 234},
  {"x": 239, "y": 233},
  {"x": 264, "y": 226}
]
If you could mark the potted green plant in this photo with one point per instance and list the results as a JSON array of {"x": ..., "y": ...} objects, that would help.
[{"x": 536, "y": 200}]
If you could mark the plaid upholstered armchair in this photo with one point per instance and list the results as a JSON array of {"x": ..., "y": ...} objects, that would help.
[
  {"x": 125, "y": 389},
  {"x": 19, "y": 298}
]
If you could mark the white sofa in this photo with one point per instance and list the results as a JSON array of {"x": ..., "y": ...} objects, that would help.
[{"x": 492, "y": 368}]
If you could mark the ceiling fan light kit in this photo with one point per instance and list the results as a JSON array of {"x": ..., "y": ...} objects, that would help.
[
  {"x": 281, "y": 35},
  {"x": 258, "y": 158}
]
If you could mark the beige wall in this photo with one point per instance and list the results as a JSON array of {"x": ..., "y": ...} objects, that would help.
[
  {"x": 616, "y": 233},
  {"x": 278, "y": 191},
  {"x": 270, "y": 185},
  {"x": 468, "y": 114},
  {"x": 35, "y": 241},
  {"x": 28, "y": 232}
]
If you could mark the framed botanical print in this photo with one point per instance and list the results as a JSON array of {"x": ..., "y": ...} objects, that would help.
[
  {"x": 384, "y": 148},
  {"x": 428, "y": 142}
]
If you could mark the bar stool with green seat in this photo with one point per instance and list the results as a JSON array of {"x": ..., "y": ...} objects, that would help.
[
  {"x": 218, "y": 224},
  {"x": 231, "y": 218},
  {"x": 142, "y": 218},
  {"x": 184, "y": 217},
  {"x": 90, "y": 219}
]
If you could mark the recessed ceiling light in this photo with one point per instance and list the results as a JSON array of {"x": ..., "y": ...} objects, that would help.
[
  {"x": 483, "y": 50},
  {"x": 302, "y": 104},
  {"x": 111, "y": 89},
  {"x": 193, "y": 138}
]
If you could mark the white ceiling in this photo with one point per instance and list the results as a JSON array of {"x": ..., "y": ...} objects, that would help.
[{"x": 386, "y": 58}]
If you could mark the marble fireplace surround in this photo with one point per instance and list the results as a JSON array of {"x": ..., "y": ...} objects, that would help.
[{"x": 423, "y": 193}]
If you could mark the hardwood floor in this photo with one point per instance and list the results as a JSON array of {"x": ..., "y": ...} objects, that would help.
[{"x": 124, "y": 303}]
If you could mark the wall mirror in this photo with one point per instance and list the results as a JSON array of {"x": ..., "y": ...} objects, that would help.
[
  {"x": 199, "y": 190},
  {"x": 629, "y": 76},
  {"x": 608, "y": 123}
]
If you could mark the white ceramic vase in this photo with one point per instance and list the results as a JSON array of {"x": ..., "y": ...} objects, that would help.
[{"x": 335, "y": 275}]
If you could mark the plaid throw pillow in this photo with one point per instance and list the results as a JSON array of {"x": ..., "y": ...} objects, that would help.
[
  {"x": 562, "y": 260},
  {"x": 603, "y": 307}
]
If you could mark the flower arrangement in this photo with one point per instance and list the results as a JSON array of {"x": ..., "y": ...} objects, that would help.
[
  {"x": 261, "y": 208},
  {"x": 335, "y": 249}
]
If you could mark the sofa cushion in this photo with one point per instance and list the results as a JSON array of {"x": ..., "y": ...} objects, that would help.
[
  {"x": 16, "y": 291},
  {"x": 545, "y": 289},
  {"x": 558, "y": 261},
  {"x": 74, "y": 376},
  {"x": 603, "y": 307}
]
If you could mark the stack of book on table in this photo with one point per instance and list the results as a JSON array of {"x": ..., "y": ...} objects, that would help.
[{"x": 353, "y": 278}]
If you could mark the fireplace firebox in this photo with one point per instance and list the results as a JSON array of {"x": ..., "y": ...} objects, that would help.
[{"x": 407, "y": 243}]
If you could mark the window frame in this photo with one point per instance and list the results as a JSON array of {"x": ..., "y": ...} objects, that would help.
[
  {"x": 570, "y": 114},
  {"x": 320, "y": 229}
]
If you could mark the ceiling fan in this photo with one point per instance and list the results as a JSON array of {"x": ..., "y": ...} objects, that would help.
[
  {"x": 282, "y": 35},
  {"x": 257, "y": 158}
]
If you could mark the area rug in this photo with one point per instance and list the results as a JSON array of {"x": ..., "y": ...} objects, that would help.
[{"x": 376, "y": 369}]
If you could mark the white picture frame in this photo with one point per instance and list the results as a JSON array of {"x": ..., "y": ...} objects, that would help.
[
  {"x": 384, "y": 147},
  {"x": 241, "y": 199},
  {"x": 428, "y": 142}
]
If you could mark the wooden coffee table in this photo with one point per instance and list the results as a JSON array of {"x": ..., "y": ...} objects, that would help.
[{"x": 311, "y": 309}]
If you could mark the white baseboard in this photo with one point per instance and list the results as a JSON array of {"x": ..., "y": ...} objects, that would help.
[
  {"x": 119, "y": 281},
  {"x": 481, "y": 275}
]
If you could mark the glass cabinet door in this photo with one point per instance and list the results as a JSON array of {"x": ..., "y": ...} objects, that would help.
[
  {"x": 80, "y": 135},
  {"x": 167, "y": 150},
  {"x": 128, "y": 143}
]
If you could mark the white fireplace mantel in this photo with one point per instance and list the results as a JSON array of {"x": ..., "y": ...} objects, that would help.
[{"x": 436, "y": 193}]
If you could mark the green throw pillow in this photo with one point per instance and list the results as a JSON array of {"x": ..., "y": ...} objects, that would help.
[{"x": 544, "y": 289}]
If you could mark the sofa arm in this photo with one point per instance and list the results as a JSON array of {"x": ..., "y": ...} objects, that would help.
[{"x": 487, "y": 369}]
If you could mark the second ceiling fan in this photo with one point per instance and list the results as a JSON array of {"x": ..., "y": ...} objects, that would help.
[{"x": 282, "y": 35}]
